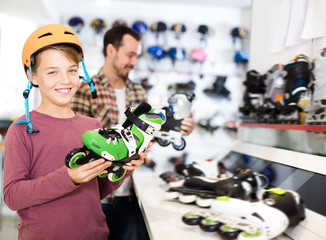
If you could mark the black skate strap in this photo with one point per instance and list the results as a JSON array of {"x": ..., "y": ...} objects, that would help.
[
  {"x": 138, "y": 122},
  {"x": 142, "y": 108}
]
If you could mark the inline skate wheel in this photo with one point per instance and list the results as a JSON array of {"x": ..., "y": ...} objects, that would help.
[
  {"x": 73, "y": 156},
  {"x": 181, "y": 146},
  {"x": 116, "y": 175},
  {"x": 191, "y": 218},
  {"x": 162, "y": 142},
  {"x": 209, "y": 225},
  {"x": 228, "y": 232},
  {"x": 187, "y": 198},
  {"x": 247, "y": 236},
  {"x": 170, "y": 195}
]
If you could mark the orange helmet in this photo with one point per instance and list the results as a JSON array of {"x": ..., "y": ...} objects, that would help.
[{"x": 46, "y": 36}]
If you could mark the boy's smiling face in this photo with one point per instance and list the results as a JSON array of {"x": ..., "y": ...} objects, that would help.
[{"x": 57, "y": 77}]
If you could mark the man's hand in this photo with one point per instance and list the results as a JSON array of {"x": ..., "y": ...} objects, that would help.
[
  {"x": 187, "y": 125},
  {"x": 88, "y": 171}
]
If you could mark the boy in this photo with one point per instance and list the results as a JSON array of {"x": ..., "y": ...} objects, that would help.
[{"x": 53, "y": 201}]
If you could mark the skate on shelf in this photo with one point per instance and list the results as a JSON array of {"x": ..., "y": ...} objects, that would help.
[
  {"x": 297, "y": 80},
  {"x": 316, "y": 108},
  {"x": 119, "y": 144},
  {"x": 209, "y": 168},
  {"x": 275, "y": 83},
  {"x": 218, "y": 89},
  {"x": 244, "y": 184},
  {"x": 252, "y": 97},
  {"x": 238, "y": 219},
  {"x": 179, "y": 108}
]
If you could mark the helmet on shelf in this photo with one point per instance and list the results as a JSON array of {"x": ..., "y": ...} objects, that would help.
[
  {"x": 178, "y": 29},
  {"x": 159, "y": 27},
  {"x": 77, "y": 23},
  {"x": 198, "y": 54},
  {"x": 119, "y": 22},
  {"x": 140, "y": 26},
  {"x": 98, "y": 25},
  {"x": 156, "y": 51}
]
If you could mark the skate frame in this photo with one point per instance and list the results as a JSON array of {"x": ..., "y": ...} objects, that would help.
[{"x": 313, "y": 227}]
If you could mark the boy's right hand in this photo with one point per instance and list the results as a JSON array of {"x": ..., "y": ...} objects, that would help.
[{"x": 88, "y": 171}]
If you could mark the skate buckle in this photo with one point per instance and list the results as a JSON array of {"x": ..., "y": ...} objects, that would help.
[{"x": 150, "y": 130}]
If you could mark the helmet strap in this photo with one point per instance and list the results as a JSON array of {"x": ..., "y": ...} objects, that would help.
[
  {"x": 26, "y": 95},
  {"x": 88, "y": 79}
]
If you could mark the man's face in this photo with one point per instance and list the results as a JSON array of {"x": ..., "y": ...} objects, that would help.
[{"x": 125, "y": 58}]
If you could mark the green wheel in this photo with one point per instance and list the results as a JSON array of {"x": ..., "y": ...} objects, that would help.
[
  {"x": 117, "y": 175},
  {"x": 73, "y": 156}
]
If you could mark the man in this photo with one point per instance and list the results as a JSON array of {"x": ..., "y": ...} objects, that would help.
[{"x": 115, "y": 93}]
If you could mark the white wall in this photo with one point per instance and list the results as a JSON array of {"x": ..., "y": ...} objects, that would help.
[{"x": 265, "y": 27}]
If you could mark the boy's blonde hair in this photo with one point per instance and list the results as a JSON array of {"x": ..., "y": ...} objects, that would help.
[{"x": 70, "y": 52}]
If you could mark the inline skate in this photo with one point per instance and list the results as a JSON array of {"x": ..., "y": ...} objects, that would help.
[
  {"x": 179, "y": 107},
  {"x": 244, "y": 184},
  {"x": 119, "y": 144},
  {"x": 297, "y": 79},
  {"x": 266, "y": 219},
  {"x": 252, "y": 97},
  {"x": 275, "y": 83},
  {"x": 218, "y": 89},
  {"x": 316, "y": 109}
]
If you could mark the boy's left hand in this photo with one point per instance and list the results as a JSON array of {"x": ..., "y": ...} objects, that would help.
[{"x": 136, "y": 163}]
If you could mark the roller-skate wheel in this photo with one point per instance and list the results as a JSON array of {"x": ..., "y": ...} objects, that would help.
[
  {"x": 181, "y": 146},
  {"x": 73, "y": 156},
  {"x": 162, "y": 142},
  {"x": 192, "y": 218},
  {"x": 228, "y": 232},
  {"x": 204, "y": 202},
  {"x": 170, "y": 195},
  {"x": 209, "y": 225},
  {"x": 247, "y": 236},
  {"x": 117, "y": 175},
  {"x": 187, "y": 198}
]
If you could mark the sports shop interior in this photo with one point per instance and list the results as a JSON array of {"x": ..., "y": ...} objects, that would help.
[{"x": 248, "y": 72}]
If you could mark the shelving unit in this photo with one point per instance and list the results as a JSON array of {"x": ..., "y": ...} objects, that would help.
[{"x": 310, "y": 128}]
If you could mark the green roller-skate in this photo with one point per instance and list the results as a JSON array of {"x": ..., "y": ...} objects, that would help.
[{"x": 119, "y": 144}]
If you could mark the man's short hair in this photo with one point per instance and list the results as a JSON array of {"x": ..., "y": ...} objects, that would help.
[{"x": 115, "y": 34}]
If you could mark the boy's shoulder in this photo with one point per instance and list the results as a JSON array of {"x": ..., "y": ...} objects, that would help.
[{"x": 88, "y": 119}]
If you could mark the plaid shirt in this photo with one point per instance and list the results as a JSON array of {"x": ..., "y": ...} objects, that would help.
[{"x": 104, "y": 107}]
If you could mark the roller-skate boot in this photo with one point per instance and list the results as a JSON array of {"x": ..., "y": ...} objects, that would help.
[
  {"x": 244, "y": 184},
  {"x": 253, "y": 95},
  {"x": 218, "y": 90},
  {"x": 238, "y": 219},
  {"x": 179, "y": 107},
  {"x": 316, "y": 110},
  {"x": 275, "y": 84},
  {"x": 297, "y": 79},
  {"x": 119, "y": 144}
]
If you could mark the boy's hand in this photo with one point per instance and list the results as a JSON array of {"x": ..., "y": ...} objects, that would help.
[
  {"x": 136, "y": 163},
  {"x": 88, "y": 171}
]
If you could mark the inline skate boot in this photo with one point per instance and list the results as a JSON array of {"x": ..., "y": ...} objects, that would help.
[
  {"x": 218, "y": 90},
  {"x": 275, "y": 83},
  {"x": 182, "y": 171},
  {"x": 179, "y": 107},
  {"x": 297, "y": 79},
  {"x": 238, "y": 219},
  {"x": 252, "y": 97},
  {"x": 244, "y": 184},
  {"x": 316, "y": 110},
  {"x": 119, "y": 144}
]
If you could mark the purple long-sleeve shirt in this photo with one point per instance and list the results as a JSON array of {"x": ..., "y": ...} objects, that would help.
[{"x": 38, "y": 187}]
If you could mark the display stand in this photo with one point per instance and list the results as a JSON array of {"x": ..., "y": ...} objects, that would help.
[{"x": 163, "y": 217}]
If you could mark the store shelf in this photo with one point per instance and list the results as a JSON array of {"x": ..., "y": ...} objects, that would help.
[{"x": 309, "y": 128}]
